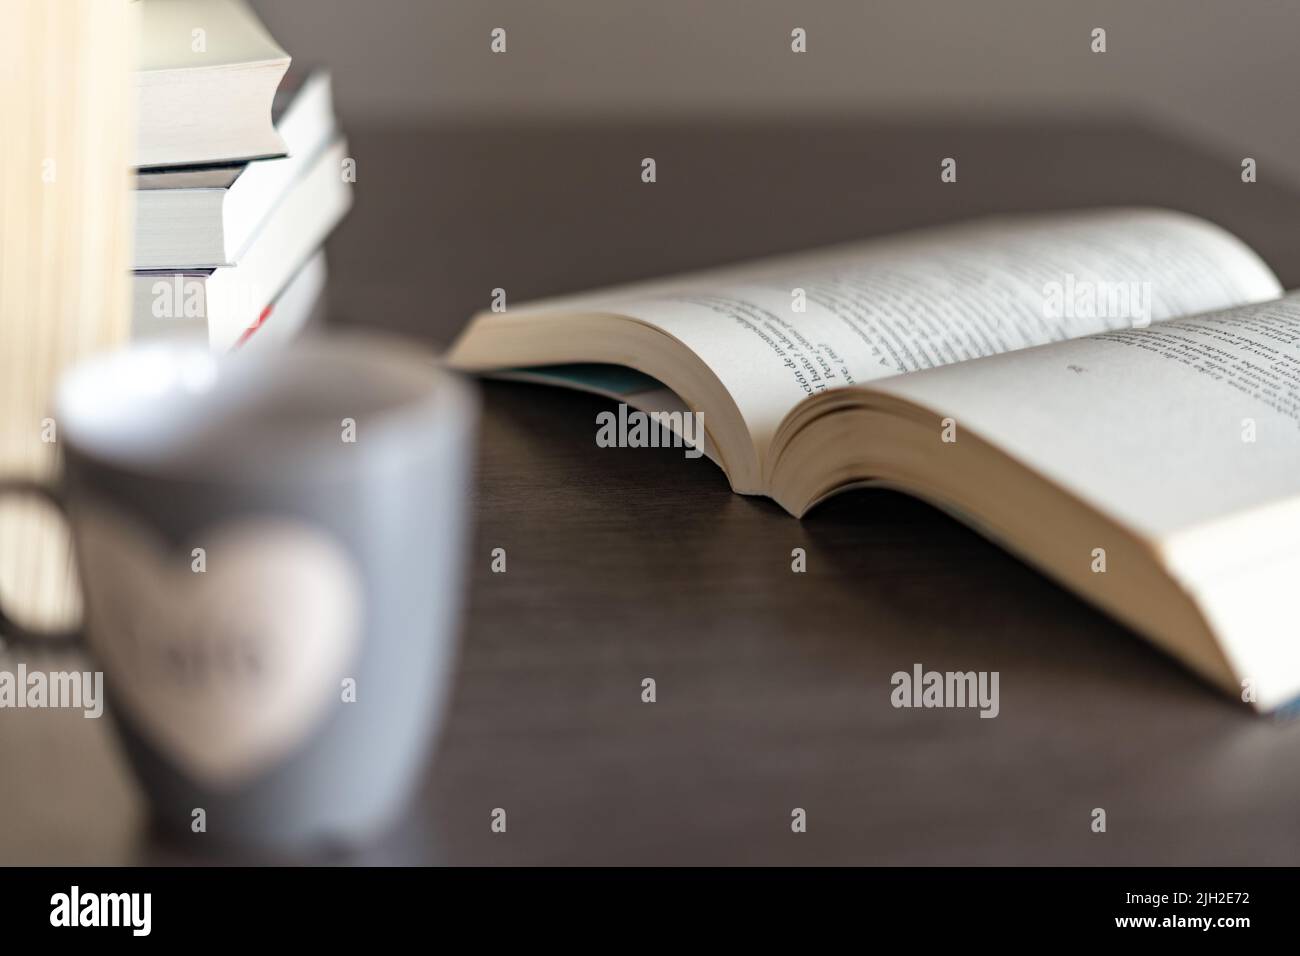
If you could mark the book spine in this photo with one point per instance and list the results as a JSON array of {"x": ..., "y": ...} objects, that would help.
[{"x": 67, "y": 116}]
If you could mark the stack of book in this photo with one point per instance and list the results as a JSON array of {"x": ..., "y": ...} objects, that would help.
[{"x": 241, "y": 175}]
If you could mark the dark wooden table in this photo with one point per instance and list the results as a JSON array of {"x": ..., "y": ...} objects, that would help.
[{"x": 773, "y": 688}]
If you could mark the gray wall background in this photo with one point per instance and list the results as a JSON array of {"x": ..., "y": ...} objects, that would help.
[{"x": 1224, "y": 72}]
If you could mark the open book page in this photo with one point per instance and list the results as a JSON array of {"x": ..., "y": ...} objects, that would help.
[
  {"x": 1171, "y": 428},
  {"x": 781, "y": 330},
  {"x": 1188, "y": 433}
]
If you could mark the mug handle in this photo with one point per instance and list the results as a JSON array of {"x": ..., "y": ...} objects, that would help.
[{"x": 11, "y": 631}]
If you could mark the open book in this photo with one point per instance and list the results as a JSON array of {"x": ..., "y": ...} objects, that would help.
[{"x": 1041, "y": 378}]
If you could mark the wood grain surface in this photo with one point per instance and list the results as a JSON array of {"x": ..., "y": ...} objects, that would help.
[{"x": 773, "y": 688}]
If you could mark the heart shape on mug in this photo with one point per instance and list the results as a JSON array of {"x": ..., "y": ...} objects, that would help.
[{"x": 226, "y": 658}]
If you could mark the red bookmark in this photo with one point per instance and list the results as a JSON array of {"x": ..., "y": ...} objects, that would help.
[{"x": 261, "y": 320}]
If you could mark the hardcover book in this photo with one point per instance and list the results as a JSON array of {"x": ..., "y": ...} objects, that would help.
[{"x": 205, "y": 82}]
